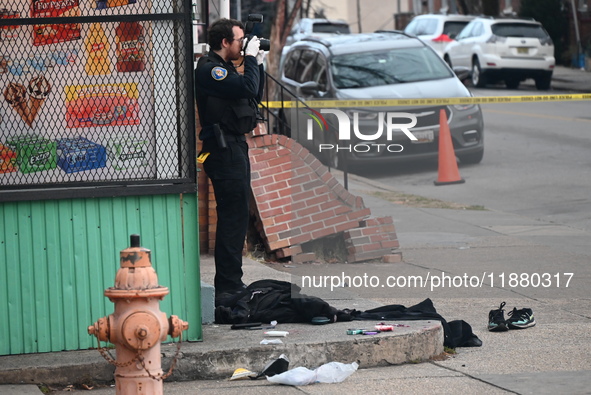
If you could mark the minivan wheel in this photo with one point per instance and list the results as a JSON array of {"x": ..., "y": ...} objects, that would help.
[
  {"x": 478, "y": 78},
  {"x": 472, "y": 159}
]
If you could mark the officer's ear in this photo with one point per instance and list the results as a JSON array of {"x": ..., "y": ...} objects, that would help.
[{"x": 226, "y": 43}]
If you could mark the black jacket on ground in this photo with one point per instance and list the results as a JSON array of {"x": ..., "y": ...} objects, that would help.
[{"x": 281, "y": 301}]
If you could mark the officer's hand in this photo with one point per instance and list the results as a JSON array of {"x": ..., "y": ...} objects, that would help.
[
  {"x": 252, "y": 48},
  {"x": 260, "y": 57}
]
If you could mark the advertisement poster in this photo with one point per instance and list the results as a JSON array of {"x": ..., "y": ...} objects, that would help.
[
  {"x": 76, "y": 100},
  {"x": 101, "y": 105},
  {"x": 52, "y": 33}
]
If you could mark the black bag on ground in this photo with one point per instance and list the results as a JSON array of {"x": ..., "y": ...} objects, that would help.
[{"x": 273, "y": 300}]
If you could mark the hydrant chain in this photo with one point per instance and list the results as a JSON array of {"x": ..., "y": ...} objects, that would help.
[
  {"x": 109, "y": 358},
  {"x": 140, "y": 357}
]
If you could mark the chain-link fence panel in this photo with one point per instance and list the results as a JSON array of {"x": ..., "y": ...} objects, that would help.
[{"x": 96, "y": 94}]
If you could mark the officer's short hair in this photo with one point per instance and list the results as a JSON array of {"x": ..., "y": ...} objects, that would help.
[{"x": 221, "y": 29}]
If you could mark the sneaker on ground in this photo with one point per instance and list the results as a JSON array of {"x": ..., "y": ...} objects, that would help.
[
  {"x": 496, "y": 320},
  {"x": 521, "y": 319}
]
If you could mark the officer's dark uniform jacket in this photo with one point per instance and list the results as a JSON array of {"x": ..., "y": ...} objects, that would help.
[{"x": 225, "y": 97}]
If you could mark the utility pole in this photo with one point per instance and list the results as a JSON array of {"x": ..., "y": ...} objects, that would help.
[
  {"x": 578, "y": 36},
  {"x": 358, "y": 16}
]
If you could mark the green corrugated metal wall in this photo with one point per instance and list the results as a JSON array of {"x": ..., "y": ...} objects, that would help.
[{"x": 57, "y": 258}]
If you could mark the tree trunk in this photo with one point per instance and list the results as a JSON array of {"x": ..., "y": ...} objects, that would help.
[
  {"x": 491, "y": 7},
  {"x": 279, "y": 31},
  {"x": 463, "y": 7}
]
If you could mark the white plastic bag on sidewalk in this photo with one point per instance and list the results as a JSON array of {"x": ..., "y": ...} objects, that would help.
[
  {"x": 332, "y": 372},
  {"x": 296, "y": 376},
  {"x": 335, "y": 372}
]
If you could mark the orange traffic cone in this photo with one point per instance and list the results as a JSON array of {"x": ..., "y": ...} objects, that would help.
[{"x": 448, "y": 166}]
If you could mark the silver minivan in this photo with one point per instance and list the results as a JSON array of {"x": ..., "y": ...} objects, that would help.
[{"x": 390, "y": 65}]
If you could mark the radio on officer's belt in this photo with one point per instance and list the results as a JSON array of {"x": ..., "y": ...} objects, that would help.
[{"x": 219, "y": 136}]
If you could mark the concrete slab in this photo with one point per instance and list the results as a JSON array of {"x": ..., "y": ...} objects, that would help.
[
  {"x": 540, "y": 383},
  {"x": 19, "y": 389}
]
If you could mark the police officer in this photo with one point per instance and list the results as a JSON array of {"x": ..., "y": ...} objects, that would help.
[{"x": 227, "y": 103}]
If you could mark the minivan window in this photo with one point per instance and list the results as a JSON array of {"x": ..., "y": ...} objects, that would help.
[
  {"x": 422, "y": 26},
  {"x": 466, "y": 32},
  {"x": 453, "y": 28},
  {"x": 359, "y": 70},
  {"x": 304, "y": 66},
  {"x": 518, "y": 30},
  {"x": 290, "y": 64},
  {"x": 477, "y": 30}
]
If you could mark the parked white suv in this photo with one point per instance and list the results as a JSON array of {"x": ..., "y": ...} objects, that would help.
[
  {"x": 317, "y": 27},
  {"x": 511, "y": 50},
  {"x": 437, "y": 30}
]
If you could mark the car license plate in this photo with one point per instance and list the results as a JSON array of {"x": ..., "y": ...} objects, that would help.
[
  {"x": 524, "y": 50},
  {"x": 423, "y": 136}
]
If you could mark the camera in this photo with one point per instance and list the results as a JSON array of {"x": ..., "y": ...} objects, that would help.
[{"x": 252, "y": 20}]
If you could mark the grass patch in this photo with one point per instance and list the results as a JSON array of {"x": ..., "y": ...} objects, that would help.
[{"x": 421, "y": 201}]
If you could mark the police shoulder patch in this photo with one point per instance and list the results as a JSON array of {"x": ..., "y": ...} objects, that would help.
[{"x": 219, "y": 73}]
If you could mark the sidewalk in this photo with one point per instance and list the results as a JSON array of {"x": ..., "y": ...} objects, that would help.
[
  {"x": 565, "y": 79},
  {"x": 552, "y": 357}
]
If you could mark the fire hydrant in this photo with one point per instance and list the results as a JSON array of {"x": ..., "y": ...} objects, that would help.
[{"x": 137, "y": 326}]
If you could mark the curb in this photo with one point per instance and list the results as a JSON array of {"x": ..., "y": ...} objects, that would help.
[{"x": 226, "y": 350}]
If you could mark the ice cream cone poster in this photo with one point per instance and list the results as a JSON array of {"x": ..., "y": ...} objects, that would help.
[
  {"x": 55, "y": 33},
  {"x": 38, "y": 89},
  {"x": 15, "y": 95},
  {"x": 27, "y": 100},
  {"x": 101, "y": 105}
]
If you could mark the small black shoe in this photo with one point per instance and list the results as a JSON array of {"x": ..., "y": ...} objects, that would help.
[
  {"x": 496, "y": 320},
  {"x": 521, "y": 319}
]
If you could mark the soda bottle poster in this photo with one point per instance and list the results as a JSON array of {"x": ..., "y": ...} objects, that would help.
[{"x": 101, "y": 105}]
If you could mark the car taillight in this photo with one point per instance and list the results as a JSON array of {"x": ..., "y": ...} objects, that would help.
[
  {"x": 443, "y": 38},
  {"x": 493, "y": 39},
  {"x": 546, "y": 41}
]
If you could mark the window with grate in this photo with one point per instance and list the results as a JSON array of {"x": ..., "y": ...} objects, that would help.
[{"x": 96, "y": 98}]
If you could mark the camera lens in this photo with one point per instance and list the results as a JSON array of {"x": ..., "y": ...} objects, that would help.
[{"x": 265, "y": 44}]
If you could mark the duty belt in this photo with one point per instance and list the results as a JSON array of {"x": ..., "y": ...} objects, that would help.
[{"x": 234, "y": 137}]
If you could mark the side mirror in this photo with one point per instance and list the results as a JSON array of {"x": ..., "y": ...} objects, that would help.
[
  {"x": 463, "y": 73},
  {"x": 309, "y": 88}
]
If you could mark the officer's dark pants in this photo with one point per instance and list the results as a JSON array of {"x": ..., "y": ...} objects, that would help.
[{"x": 229, "y": 171}]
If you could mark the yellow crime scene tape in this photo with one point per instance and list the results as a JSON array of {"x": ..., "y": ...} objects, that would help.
[{"x": 427, "y": 102}]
